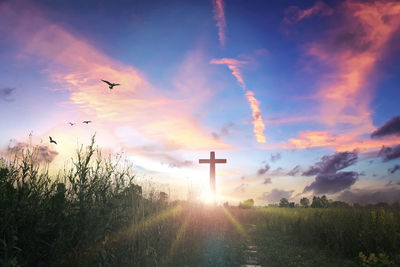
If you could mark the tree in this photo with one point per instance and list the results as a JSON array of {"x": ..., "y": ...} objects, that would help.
[
  {"x": 304, "y": 202},
  {"x": 320, "y": 202},
  {"x": 283, "y": 203},
  {"x": 247, "y": 204},
  {"x": 291, "y": 205},
  {"x": 339, "y": 204},
  {"x": 324, "y": 202}
]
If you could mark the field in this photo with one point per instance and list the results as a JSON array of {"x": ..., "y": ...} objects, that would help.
[{"x": 93, "y": 214}]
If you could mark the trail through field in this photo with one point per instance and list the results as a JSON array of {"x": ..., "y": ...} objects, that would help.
[{"x": 251, "y": 251}]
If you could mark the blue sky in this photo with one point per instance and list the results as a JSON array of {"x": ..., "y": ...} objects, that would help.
[{"x": 298, "y": 79}]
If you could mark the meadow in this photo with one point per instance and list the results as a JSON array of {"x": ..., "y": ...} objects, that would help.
[
  {"x": 93, "y": 214},
  {"x": 362, "y": 236}
]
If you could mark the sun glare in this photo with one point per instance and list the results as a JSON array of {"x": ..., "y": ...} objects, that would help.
[{"x": 207, "y": 197}]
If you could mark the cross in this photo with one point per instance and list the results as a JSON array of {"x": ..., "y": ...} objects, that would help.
[{"x": 212, "y": 162}]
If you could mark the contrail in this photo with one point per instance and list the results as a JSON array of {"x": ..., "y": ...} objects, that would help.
[
  {"x": 258, "y": 124},
  {"x": 219, "y": 16}
]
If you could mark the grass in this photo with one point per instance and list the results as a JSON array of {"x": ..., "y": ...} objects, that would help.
[
  {"x": 327, "y": 237},
  {"x": 93, "y": 214}
]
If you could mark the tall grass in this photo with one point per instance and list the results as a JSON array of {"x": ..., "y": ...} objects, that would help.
[
  {"x": 93, "y": 214},
  {"x": 346, "y": 232}
]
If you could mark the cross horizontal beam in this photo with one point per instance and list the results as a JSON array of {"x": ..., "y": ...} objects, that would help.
[{"x": 212, "y": 161}]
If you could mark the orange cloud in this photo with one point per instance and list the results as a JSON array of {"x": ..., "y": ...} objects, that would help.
[
  {"x": 309, "y": 139},
  {"x": 219, "y": 16},
  {"x": 351, "y": 52},
  {"x": 79, "y": 66},
  {"x": 258, "y": 124},
  {"x": 344, "y": 95}
]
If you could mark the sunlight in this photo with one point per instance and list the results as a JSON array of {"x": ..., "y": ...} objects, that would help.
[
  {"x": 235, "y": 222},
  {"x": 179, "y": 238},
  {"x": 134, "y": 229},
  {"x": 207, "y": 197}
]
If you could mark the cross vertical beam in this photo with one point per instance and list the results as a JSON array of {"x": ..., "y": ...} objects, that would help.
[{"x": 212, "y": 161}]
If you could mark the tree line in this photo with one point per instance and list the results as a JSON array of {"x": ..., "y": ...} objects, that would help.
[{"x": 317, "y": 202}]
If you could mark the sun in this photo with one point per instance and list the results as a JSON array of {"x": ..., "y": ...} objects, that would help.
[{"x": 207, "y": 197}]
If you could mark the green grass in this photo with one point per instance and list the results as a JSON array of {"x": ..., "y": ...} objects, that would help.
[
  {"x": 93, "y": 214},
  {"x": 277, "y": 249},
  {"x": 327, "y": 237}
]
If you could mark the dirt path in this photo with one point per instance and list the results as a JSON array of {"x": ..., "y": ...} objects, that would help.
[{"x": 251, "y": 251}]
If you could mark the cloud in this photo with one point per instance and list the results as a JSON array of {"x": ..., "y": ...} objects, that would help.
[
  {"x": 162, "y": 154},
  {"x": 294, "y": 171},
  {"x": 366, "y": 196},
  {"x": 179, "y": 164},
  {"x": 267, "y": 180},
  {"x": 344, "y": 94},
  {"x": 350, "y": 52},
  {"x": 241, "y": 188},
  {"x": 258, "y": 124},
  {"x": 78, "y": 67},
  {"x": 43, "y": 153},
  {"x": 333, "y": 163},
  {"x": 6, "y": 93},
  {"x": 332, "y": 182},
  {"x": 219, "y": 16},
  {"x": 234, "y": 65},
  {"x": 263, "y": 170},
  {"x": 276, "y": 194},
  {"x": 394, "y": 169},
  {"x": 225, "y": 130},
  {"x": 294, "y": 14},
  {"x": 311, "y": 171},
  {"x": 391, "y": 127},
  {"x": 389, "y": 153},
  {"x": 275, "y": 157},
  {"x": 328, "y": 179},
  {"x": 344, "y": 142}
]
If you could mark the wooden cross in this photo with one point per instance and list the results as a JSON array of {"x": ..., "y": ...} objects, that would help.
[{"x": 212, "y": 162}]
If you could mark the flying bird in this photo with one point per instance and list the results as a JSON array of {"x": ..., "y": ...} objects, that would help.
[
  {"x": 111, "y": 85},
  {"x": 72, "y": 124},
  {"x": 52, "y": 141},
  {"x": 87, "y": 122}
]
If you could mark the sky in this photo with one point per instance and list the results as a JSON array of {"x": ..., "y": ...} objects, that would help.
[{"x": 300, "y": 97}]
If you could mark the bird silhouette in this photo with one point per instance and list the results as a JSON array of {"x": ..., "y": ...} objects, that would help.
[
  {"x": 72, "y": 124},
  {"x": 111, "y": 85},
  {"x": 87, "y": 122},
  {"x": 52, "y": 141}
]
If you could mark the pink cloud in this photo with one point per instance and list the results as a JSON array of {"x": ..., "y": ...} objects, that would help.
[
  {"x": 348, "y": 142},
  {"x": 350, "y": 52},
  {"x": 344, "y": 94},
  {"x": 219, "y": 16},
  {"x": 295, "y": 14},
  {"x": 79, "y": 66},
  {"x": 233, "y": 65},
  {"x": 258, "y": 124}
]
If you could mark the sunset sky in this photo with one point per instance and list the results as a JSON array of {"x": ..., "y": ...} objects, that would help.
[{"x": 301, "y": 97}]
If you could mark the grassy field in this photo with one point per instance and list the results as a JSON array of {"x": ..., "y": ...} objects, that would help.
[
  {"x": 327, "y": 237},
  {"x": 93, "y": 214}
]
